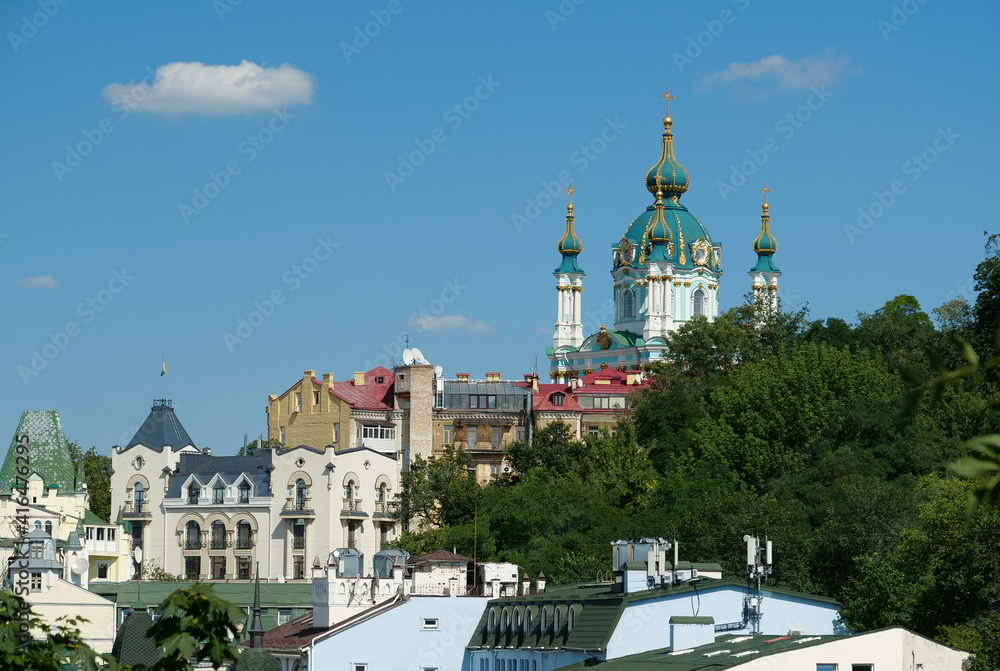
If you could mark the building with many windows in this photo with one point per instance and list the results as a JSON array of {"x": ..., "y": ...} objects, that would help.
[{"x": 202, "y": 516}]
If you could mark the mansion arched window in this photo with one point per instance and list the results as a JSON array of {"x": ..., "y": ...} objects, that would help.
[
  {"x": 192, "y": 539},
  {"x": 300, "y": 494},
  {"x": 218, "y": 536},
  {"x": 140, "y": 497},
  {"x": 382, "y": 489},
  {"x": 628, "y": 303},
  {"x": 699, "y": 302},
  {"x": 244, "y": 536}
]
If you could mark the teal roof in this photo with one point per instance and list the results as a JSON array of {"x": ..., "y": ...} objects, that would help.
[
  {"x": 569, "y": 265},
  {"x": 765, "y": 245},
  {"x": 765, "y": 264},
  {"x": 667, "y": 173},
  {"x": 619, "y": 340},
  {"x": 684, "y": 229},
  {"x": 48, "y": 453},
  {"x": 570, "y": 245}
]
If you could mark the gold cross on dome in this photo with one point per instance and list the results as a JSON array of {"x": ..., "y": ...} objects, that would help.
[
  {"x": 570, "y": 191},
  {"x": 666, "y": 96},
  {"x": 766, "y": 191}
]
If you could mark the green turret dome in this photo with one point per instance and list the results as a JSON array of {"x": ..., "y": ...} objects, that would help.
[
  {"x": 570, "y": 245},
  {"x": 765, "y": 245},
  {"x": 667, "y": 173}
]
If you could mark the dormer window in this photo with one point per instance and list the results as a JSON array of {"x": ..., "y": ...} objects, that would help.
[
  {"x": 557, "y": 399},
  {"x": 194, "y": 491},
  {"x": 219, "y": 493},
  {"x": 244, "y": 493},
  {"x": 379, "y": 380}
]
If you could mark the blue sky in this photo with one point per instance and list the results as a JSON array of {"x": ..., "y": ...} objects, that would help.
[{"x": 110, "y": 260}]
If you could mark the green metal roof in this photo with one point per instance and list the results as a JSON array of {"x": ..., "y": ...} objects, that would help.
[
  {"x": 48, "y": 453},
  {"x": 691, "y": 619},
  {"x": 684, "y": 229},
  {"x": 239, "y": 593},
  {"x": 596, "y": 611},
  {"x": 89, "y": 517},
  {"x": 725, "y": 652},
  {"x": 635, "y": 566}
]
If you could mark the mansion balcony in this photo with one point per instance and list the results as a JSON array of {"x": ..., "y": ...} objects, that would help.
[
  {"x": 193, "y": 544},
  {"x": 480, "y": 446},
  {"x": 298, "y": 507},
  {"x": 383, "y": 509},
  {"x": 352, "y": 508},
  {"x": 137, "y": 509},
  {"x": 244, "y": 543},
  {"x": 298, "y": 543}
]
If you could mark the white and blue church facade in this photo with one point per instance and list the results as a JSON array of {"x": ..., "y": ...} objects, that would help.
[{"x": 665, "y": 270}]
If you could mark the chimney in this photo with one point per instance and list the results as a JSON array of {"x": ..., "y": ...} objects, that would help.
[
  {"x": 630, "y": 377},
  {"x": 541, "y": 582},
  {"x": 308, "y": 375},
  {"x": 493, "y": 377},
  {"x": 359, "y": 378},
  {"x": 462, "y": 377},
  {"x": 525, "y": 584},
  {"x": 328, "y": 381}
]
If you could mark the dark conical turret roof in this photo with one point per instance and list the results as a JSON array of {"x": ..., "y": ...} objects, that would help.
[
  {"x": 161, "y": 428},
  {"x": 133, "y": 645}
]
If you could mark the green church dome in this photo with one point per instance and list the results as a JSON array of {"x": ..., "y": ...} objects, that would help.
[
  {"x": 667, "y": 173},
  {"x": 570, "y": 245}
]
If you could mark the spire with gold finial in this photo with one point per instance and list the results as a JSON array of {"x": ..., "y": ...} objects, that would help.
[
  {"x": 667, "y": 174},
  {"x": 765, "y": 245},
  {"x": 570, "y": 245}
]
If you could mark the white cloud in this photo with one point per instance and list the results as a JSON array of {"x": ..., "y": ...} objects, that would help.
[
  {"x": 38, "y": 282},
  {"x": 800, "y": 74},
  {"x": 214, "y": 90},
  {"x": 451, "y": 322}
]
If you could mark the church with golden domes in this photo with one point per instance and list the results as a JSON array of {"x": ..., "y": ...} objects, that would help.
[{"x": 666, "y": 271}]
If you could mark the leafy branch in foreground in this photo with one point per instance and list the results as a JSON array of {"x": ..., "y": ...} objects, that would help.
[{"x": 985, "y": 468}]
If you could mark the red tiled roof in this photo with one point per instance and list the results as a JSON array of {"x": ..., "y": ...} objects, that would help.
[
  {"x": 371, "y": 395},
  {"x": 440, "y": 556},
  {"x": 542, "y": 399}
]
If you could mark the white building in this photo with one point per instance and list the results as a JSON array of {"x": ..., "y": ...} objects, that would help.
[{"x": 207, "y": 517}]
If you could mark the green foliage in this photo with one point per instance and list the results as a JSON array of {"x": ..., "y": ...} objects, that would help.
[
  {"x": 153, "y": 571},
  {"x": 195, "y": 624},
  {"x": 251, "y": 448},
  {"x": 97, "y": 470},
  {"x": 438, "y": 492},
  {"x": 52, "y": 648},
  {"x": 553, "y": 447}
]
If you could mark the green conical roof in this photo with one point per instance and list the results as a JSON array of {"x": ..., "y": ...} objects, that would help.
[
  {"x": 133, "y": 645},
  {"x": 257, "y": 660},
  {"x": 48, "y": 453}
]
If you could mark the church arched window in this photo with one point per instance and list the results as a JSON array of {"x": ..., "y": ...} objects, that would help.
[
  {"x": 699, "y": 302},
  {"x": 628, "y": 303}
]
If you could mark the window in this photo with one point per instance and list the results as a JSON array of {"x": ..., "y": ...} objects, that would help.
[
  {"x": 472, "y": 437},
  {"x": 449, "y": 434},
  {"x": 140, "y": 497},
  {"x": 614, "y": 431},
  {"x": 284, "y": 615},
  {"x": 90, "y": 533},
  {"x": 219, "y": 568},
  {"x": 494, "y": 470},
  {"x": 193, "y": 540},
  {"x": 102, "y": 571},
  {"x": 593, "y": 431},
  {"x": 383, "y": 534},
  {"x": 244, "y": 492},
  {"x": 826, "y": 667},
  {"x": 382, "y": 491},
  {"x": 495, "y": 437},
  {"x": 483, "y": 401},
  {"x": 298, "y": 401},
  {"x": 100, "y": 531},
  {"x": 557, "y": 399},
  {"x": 218, "y": 536},
  {"x": 298, "y": 567},
  {"x": 315, "y": 398},
  {"x": 377, "y": 432},
  {"x": 336, "y": 432},
  {"x": 430, "y": 623},
  {"x": 243, "y": 568},
  {"x": 699, "y": 302},
  {"x": 244, "y": 536},
  {"x": 36, "y": 550},
  {"x": 628, "y": 303},
  {"x": 36, "y": 582},
  {"x": 192, "y": 568},
  {"x": 138, "y": 462},
  {"x": 351, "y": 534},
  {"x": 299, "y": 535},
  {"x": 282, "y": 435},
  {"x": 359, "y": 667},
  {"x": 194, "y": 491},
  {"x": 219, "y": 493},
  {"x": 519, "y": 433},
  {"x": 301, "y": 493},
  {"x": 862, "y": 667}
]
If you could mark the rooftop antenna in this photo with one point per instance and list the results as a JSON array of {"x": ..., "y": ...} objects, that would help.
[
  {"x": 408, "y": 335},
  {"x": 759, "y": 567},
  {"x": 534, "y": 368}
]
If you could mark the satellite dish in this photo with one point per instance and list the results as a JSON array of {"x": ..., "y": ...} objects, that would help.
[
  {"x": 79, "y": 567},
  {"x": 281, "y": 578},
  {"x": 336, "y": 553},
  {"x": 131, "y": 570},
  {"x": 418, "y": 356},
  {"x": 438, "y": 371},
  {"x": 407, "y": 356},
  {"x": 137, "y": 553}
]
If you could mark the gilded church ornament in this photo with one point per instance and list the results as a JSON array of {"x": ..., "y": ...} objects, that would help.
[
  {"x": 700, "y": 251},
  {"x": 603, "y": 339}
]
